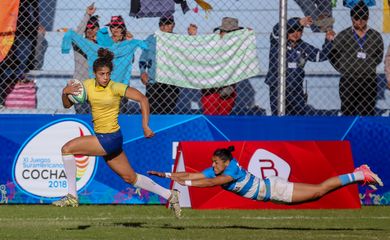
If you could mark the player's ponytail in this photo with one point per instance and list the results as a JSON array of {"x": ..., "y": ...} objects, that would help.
[
  {"x": 224, "y": 154},
  {"x": 104, "y": 59}
]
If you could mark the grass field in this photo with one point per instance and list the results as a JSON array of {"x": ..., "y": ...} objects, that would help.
[{"x": 157, "y": 222}]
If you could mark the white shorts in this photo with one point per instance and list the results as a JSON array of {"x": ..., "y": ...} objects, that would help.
[{"x": 278, "y": 190}]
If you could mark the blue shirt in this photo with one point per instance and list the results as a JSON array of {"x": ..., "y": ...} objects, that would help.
[
  {"x": 123, "y": 54},
  {"x": 244, "y": 183}
]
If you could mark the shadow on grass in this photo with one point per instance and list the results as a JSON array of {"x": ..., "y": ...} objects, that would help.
[
  {"x": 168, "y": 226},
  {"x": 80, "y": 227}
]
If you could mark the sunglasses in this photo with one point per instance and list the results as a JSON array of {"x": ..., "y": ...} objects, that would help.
[{"x": 116, "y": 26}]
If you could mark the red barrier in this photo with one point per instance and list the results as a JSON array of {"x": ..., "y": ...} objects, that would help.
[{"x": 297, "y": 161}]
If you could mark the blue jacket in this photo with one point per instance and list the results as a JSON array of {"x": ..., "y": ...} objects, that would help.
[
  {"x": 123, "y": 54},
  {"x": 296, "y": 59},
  {"x": 147, "y": 61},
  {"x": 103, "y": 38}
]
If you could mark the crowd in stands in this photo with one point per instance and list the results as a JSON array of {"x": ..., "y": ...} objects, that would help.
[{"x": 355, "y": 54}]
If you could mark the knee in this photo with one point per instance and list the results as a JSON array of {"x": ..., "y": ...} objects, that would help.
[
  {"x": 131, "y": 179},
  {"x": 67, "y": 148}
]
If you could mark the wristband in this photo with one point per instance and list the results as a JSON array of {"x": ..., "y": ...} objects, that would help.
[
  {"x": 188, "y": 182},
  {"x": 168, "y": 175}
]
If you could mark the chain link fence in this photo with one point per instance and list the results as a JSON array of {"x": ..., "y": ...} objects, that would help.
[{"x": 330, "y": 68}]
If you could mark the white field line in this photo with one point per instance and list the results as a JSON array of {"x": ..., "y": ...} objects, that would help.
[{"x": 193, "y": 218}]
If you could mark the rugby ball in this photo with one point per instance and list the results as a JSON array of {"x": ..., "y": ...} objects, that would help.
[{"x": 82, "y": 96}]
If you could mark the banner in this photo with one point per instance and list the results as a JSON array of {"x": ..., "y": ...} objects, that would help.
[
  {"x": 8, "y": 17},
  {"x": 206, "y": 61},
  {"x": 298, "y": 161},
  {"x": 31, "y": 168}
]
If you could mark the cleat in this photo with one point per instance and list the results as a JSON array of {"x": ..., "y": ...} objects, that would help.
[
  {"x": 174, "y": 203},
  {"x": 370, "y": 178},
  {"x": 67, "y": 201}
]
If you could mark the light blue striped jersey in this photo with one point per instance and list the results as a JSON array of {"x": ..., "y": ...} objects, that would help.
[{"x": 243, "y": 184}]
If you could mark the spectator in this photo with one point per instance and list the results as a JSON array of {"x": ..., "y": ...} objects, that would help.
[
  {"x": 320, "y": 11},
  {"x": 298, "y": 53},
  {"x": 162, "y": 97},
  {"x": 387, "y": 66},
  {"x": 220, "y": 101},
  {"x": 356, "y": 53},
  {"x": 26, "y": 37},
  {"x": 118, "y": 32},
  {"x": 20, "y": 58},
  {"x": 40, "y": 48},
  {"x": 88, "y": 27},
  {"x": 123, "y": 52},
  {"x": 192, "y": 29}
]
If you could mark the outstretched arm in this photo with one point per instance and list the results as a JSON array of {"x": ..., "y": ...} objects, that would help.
[
  {"x": 181, "y": 175},
  {"x": 135, "y": 95},
  {"x": 205, "y": 182},
  {"x": 194, "y": 179},
  {"x": 83, "y": 24}
]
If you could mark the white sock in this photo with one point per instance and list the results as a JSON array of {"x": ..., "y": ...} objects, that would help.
[
  {"x": 359, "y": 176},
  {"x": 70, "y": 170},
  {"x": 148, "y": 184}
]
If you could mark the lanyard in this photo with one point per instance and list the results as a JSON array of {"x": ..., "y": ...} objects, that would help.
[{"x": 359, "y": 40}]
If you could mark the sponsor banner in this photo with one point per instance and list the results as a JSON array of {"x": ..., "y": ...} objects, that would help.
[
  {"x": 369, "y": 138},
  {"x": 297, "y": 161},
  {"x": 38, "y": 168}
]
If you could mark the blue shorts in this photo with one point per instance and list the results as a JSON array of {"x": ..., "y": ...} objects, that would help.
[{"x": 111, "y": 142}]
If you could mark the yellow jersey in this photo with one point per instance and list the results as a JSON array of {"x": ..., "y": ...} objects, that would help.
[{"x": 105, "y": 103}]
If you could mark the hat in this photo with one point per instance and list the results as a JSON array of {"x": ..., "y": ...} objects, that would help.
[
  {"x": 166, "y": 20},
  {"x": 93, "y": 22},
  {"x": 228, "y": 25},
  {"x": 360, "y": 11},
  {"x": 294, "y": 25},
  {"x": 116, "y": 20}
]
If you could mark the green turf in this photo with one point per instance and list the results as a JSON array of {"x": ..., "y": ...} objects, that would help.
[{"x": 157, "y": 222}]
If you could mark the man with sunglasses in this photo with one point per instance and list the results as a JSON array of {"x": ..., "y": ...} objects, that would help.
[
  {"x": 356, "y": 53},
  {"x": 299, "y": 52}
]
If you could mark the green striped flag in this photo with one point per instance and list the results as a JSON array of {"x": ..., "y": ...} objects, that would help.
[{"x": 206, "y": 61}]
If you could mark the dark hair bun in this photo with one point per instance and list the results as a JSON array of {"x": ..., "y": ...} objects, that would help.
[
  {"x": 105, "y": 53},
  {"x": 230, "y": 148}
]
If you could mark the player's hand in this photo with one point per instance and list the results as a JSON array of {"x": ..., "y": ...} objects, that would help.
[
  {"x": 144, "y": 78},
  {"x": 72, "y": 88},
  {"x": 158, "y": 174},
  {"x": 148, "y": 133},
  {"x": 178, "y": 180}
]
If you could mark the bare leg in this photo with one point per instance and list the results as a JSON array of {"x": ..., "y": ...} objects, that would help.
[
  {"x": 308, "y": 192},
  {"x": 121, "y": 166},
  {"x": 86, "y": 145}
]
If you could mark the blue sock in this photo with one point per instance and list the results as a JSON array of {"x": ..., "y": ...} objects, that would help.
[{"x": 347, "y": 179}]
